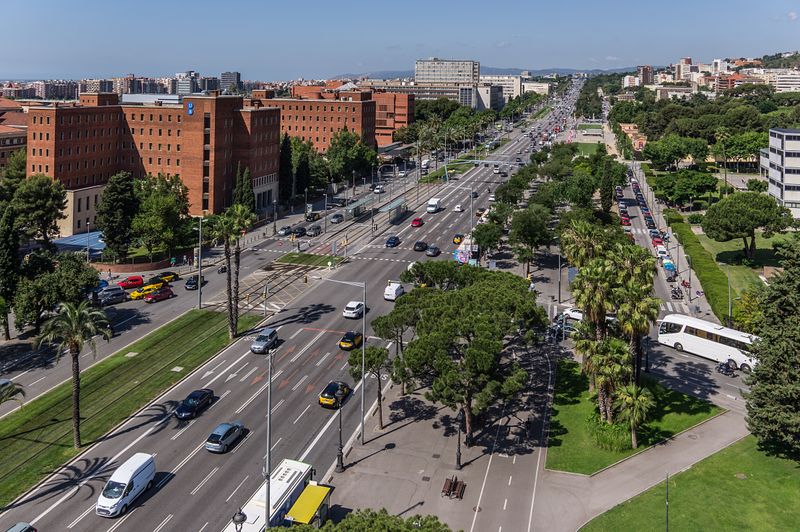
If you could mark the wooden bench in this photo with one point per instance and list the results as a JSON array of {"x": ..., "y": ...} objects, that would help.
[
  {"x": 458, "y": 489},
  {"x": 449, "y": 484}
]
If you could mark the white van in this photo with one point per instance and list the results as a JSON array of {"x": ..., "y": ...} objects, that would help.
[
  {"x": 393, "y": 291},
  {"x": 425, "y": 164},
  {"x": 129, "y": 481},
  {"x": 434, "y": 204}
]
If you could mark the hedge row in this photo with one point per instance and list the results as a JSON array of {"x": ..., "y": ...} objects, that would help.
[{"x": 711, "y": 277}]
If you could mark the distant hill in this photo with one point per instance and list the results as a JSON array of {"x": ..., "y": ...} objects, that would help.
[{"x": 490, "y": 71}]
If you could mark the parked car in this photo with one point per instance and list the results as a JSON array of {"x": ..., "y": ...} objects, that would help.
[
  {"x": 194, "y": 403},
  {"x": 351, "y": 340},
  {"x": 392, "y": 242},
  {"x": 109, "y": 296},
  {"x": 474, "y": 193},
  {"x": 22, "y": 527},
  {"x": 327, "y": 397},
  {"x": 156, "y": 281},
  {"x": 159, "y": 295},
  {"x": 191, "y": 282},
  {"x": 491, "y": 197},
  {"x": 432, "y": 251},
  {"x": 286, "y": 230},
  {"x": 458, "y": 238},
  {"x": 168, "y": 276},
  {"x": 266, "y": 339},
  {"x": 625, "y": 221},
  {"x": 419, "y": 245},
  {"x": 337, "y": 218},
  {"x": 224, "y": 436},
  {"x": 655, "y": 233},
  {"x": 132, "y": 281},
  {"x": 379, "y": 189},
  {"x": 314, "y": 230},
  {"x": 354, "y": 309},
  {"x": 402, "y": 173}
]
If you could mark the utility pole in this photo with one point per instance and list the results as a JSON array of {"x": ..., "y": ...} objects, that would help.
[{"x": 200, "y": 266}]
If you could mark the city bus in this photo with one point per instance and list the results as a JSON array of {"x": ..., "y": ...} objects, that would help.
[
  {"x": 708, "y": 340},
  {"x": 289, "y": 480}
]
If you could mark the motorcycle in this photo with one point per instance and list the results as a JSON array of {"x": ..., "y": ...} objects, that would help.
[
  {"x": 222, "y": 269},
  {"x": 725, "y": 369},
  {"x": 685, "y": 283},
  {"x": 676, "y": 293}
]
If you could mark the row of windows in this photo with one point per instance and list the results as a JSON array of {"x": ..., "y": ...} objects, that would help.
[
  {"x": 792, "y": 204},
  {"x": 12, "y": 141},
  {"x": 160, "y": 117},
  {"x": 160, "y": 131},
  {"x": 714, "y": 337},
  {"x": 94, "y": 133},
  {"x": 311, "y": 128}
]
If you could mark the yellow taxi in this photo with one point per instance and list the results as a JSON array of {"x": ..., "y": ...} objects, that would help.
[
  {"x": 143, "y": 291},
  {"x": 458, "y": 238},
  {"x": 327, "y": 397},
  {"x": 350, "y": 340}
]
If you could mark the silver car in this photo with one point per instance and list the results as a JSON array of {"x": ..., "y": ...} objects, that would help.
[
  {"x": 224, "y": 436},
  {"x": 266, "y": 339}
]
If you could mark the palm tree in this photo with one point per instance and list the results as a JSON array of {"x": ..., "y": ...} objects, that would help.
[
  {"x": 580, "y": 243},
  {"x": 636, "y": 311},
  {"x": 592, "y": 290},
  {"x": 633, "y": 263},
  {"x": 223, "y": 230},
  {"x": 11, "y": 391},
  {"x": 242, "y": 218},
  {"x": 70, "y": 330},
  {"x": 634, "y": 403},
  {"x": 613, "y": 369}
]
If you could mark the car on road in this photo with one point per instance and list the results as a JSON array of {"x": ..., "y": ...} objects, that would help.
[
  {"x": 625, "y": 221},
  {"x": 402, "y": 173},
  {"x": 337, "y": 218},
  {"x": 655, "y": 233},
  {"x": 314, "y": 230},
  {"x": 474, "y": 193},
  {"x": 157, "y": 282},
  {"x": 159, "y": 295},
  {"x": 458, "y": 208},
  {"x": 132, "y": 281},
  {"x": 299, "y": 231},
  {"x": 491, "y": 197},
  {"x": 650, "y": 224},
  {"x": 351, "y": 340},
  {"x": 417, "y": 222},
  {"x": 327, "y": 396},
  {"x": 108, "y": 296},
  {"x": 656, "y": 241},
  {"x": 432, "y": 251},
  {"x": 419, "y": 245},
  {"x": 458, "y": 238},
  {"x": 224, "y": 436},
  {"x": 168, "y": 276},
  {"x": 353, "y": 309},
  {"x": 191, "y": 282},
  {"x": 266, "y": 339},
  {"x": 286, "y": 230},
  {"x": 379, "y": 189},
  {"x": 194, "y": 403},
  {"x": 144, "y": 291},
  {"x": 392, "y": 241},
  {"x": 22, "y": 527},
  {"x": 312, "y": 217}
]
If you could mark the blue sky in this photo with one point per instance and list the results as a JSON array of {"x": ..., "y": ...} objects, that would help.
[{"x": 273, "y": 40}]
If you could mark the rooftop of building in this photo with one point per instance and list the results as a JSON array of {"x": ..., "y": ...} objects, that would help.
[
  {"x": 785, "y": 130},
  {"x": 6, "y": 103},
  {"x": 9, "y": 130}
]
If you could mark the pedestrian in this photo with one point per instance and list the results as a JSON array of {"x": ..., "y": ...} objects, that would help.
[
  {"x": 172, "y": 261},
  {"x": 109, "y": 274}
]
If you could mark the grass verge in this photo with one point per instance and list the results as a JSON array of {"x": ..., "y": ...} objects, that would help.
[
  {"x": 753, "y": 491},
  {"x": 308, "y": 259},
  {"x": 730, "y": 253},
  {"x": 587, "y": 149},
  {"x": 37, "y": 438},
  {"x": 571, "y": 447}
]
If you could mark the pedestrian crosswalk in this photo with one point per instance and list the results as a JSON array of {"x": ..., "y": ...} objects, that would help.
[{"x": 670, "y": 306}]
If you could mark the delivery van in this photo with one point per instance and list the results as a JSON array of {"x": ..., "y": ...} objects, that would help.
[
  {"x": 434, "y": 204},
  {"x": 130, "y": 480},
  {"x": 393, "y": 291}
]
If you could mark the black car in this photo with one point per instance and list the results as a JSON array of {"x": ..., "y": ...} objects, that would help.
[
  {"x": 392, "y": 242},
  {"x": 432, "y": 251},
  {"x": 194, "y": 403},
  {"x": 474, "y": 194},
  {"x": 191, "y": 282},
  {"x": 299, "y": 231},
  {"x": 339, "y": 202},
  {"x": 419, "y": 245}
]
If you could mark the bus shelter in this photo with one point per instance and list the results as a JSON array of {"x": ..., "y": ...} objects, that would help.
[
  {"x": 311, "y": 508},
  {"x": 396, "y": 209},
  {"x": 354, "y": 210}
]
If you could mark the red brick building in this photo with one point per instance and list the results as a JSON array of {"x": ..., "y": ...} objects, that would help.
[
  {"x": 393, "y": 111},
  {"x": 11, "y": 140},
  {"x": 202, "y": 140},
  {"x": 323, "y": 113}
]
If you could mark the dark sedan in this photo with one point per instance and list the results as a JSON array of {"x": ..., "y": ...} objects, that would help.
[
  {"x": 194, "y": 403},
  {"x": 392, "y": 242},
  {"x": 299, "y": 231},
  {"x": 419, "y": 245},
  {"x": 432, "y": 251}
]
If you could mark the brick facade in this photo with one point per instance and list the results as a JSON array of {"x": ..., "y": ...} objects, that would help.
[{"x": 392, "y": 112}]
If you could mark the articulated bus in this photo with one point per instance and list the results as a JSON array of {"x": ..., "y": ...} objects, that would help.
[
  {"x": 289, "y": 480},
  {"x": 708, "y": 340}
]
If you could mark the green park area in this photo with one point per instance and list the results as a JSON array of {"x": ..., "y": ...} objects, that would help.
[
  {"x": 571, "y": 446},
  {"x": 738, "y": 488},
  {"x": 590, "y": 126},
  {"x": 587, "y": 149},
  {"x": 309, "y": 259},
  {"x": 37, "y": 438}
]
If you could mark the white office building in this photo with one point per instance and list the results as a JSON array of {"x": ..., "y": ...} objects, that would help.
[
  {"x": 788, "y": 82},
  {"x": 780, "y": 164},
  {"x": 512, "y": 85},
  {"x": 536, "y": 86},
  {"x": 435, "y": 70}
]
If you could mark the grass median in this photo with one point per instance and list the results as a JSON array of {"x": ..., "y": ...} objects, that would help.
[
  {"x": 570, "y": 445},
  {"x": 738, "y": 488},
  {"x": 37, "y": 438}
]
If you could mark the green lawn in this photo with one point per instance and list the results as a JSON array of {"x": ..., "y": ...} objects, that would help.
[
  {"x": 587, "y": 149},
  {"x": 590, "y": 126},
  {"x": 37, "y": 438},
  {"x": 570, "y": 446},
  {"x": 738, "y": 488},
  {"x": 308, "y": 259}
]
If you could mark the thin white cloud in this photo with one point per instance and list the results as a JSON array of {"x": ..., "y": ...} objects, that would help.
[
  {"x": 503, "y": 44},
  {"x": 792, "y": 15},
  {"x": 612, "y": 58}
]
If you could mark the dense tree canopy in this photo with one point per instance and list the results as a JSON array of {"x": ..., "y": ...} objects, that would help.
[{"x": 115, "y": 214}]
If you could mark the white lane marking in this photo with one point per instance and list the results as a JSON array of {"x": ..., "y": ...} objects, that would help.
[
  {"x": 119, "y": 522},
  {"x": 235, "y": 490},
  {"x": 40, "y": 379},
  {"x": 75, "y": 522},
  {"x": 204, "y": 526},
  {"x": 236, "y": 373},
  {"x": 276, "y": 375},
  {"x": 541, "y": 438},
  {"x": 273, "y": 446},
  {"x": 247, "y": 375},
  {"x": 309, "y": 344},
  {"x": 163, "y": 523},
  {"x": 301, "y": 415},
  {"x": 203, "y": 482},
  {"x": 321, "y": 360},
  {"x": 252, "y": 397},
  {"x": 485, "y": 477},
  {"x": 509, "y": 479},
  {"x": 180, "y": 465},
  {"x": 324, "y": 428},
  {"x": 274, "y": 408},
  {"x": 505, "y": 503},
  {"x": 221, "y": 373},
  {"x": 343, "y": 367},
  {"x": 298, "y": 331},
  {"x": 221, "y": 397},
  {"x": 178, "y": 434},
  {"x": 299, "y": 383}
]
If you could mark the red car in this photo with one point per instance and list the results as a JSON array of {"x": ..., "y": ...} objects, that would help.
[
  {"x": 657, "y": 242},
  {"x": 159, "y": 295},
  {"x": 134, "y": 281},
  {"x": 416, "y": 222},
  {"x": 625, "y": 221}
]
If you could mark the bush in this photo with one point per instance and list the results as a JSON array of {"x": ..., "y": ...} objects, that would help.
[
  {"x": 695, "y": 218},
  {"x": 614, "y": 437},
  {"x": 672, "y": 216},
  {"x": 700, "y": 205}
]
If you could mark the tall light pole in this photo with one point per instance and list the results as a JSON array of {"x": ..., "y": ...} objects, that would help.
[
  {"x": 268, "y": 465},
  {"x": 459, "y": 420},
  {"x": 274, "y": 217},
  {"x": 689, "y": 261},
  {"x": 87, "y": 239},
  {"x": 200, "y": 265},
  {"x": 325, "y": 214},
  {"x": 339, "y": 454}
]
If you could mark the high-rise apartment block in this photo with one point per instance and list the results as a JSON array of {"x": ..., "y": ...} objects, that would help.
[
  {"x": 780, "y": 165},
  {"x": 645, "y": 74},
  {"x": 435, "y": 70},
  {"x": 230, "y": 80},
  {"x": 202, "y": 140}
]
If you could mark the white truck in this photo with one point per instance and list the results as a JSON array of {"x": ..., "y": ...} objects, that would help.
[
  {"x": 425, "y": 164},
  {"x": 434, "y": 204}
]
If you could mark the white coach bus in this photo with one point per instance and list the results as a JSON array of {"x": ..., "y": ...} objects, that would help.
[{"x": 708, "y": 340}]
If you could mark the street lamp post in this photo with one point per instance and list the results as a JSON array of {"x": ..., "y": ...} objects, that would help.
[
  {"x": 305, "y": 205},
  {"x": 459, "y": 420},
  {"x": 87, "y": 240},
  {"x": 268, "y": 465},
  {"x": 200, "y": 265},
  {"x": 274, "y": 217},
  {"x": 559, "y": 276},
  {"x": 339, "y": 454},
  {"x": 325, "y": 214},
  {"x": 689, "y": 262},
  {"x": 471, "y": 207}
]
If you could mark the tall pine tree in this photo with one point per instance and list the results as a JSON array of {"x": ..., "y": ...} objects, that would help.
[
  {"x": 285, "y": 173},
  {"x": 245, "y": 193},
  {"x": 115, "y": 212},
  {"x": 9, "y": 262}
]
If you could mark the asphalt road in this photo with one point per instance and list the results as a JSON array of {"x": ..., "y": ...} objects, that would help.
[{"x": 196, "y": 490}]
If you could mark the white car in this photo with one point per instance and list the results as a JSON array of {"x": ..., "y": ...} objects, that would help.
[
  {"x": 379, "y": 189},
  {"x": 401, "y": 173},
  {"x": 459, "y": 208},
  {"x": 491, "y": 197},
  {"x": 354, "y": 309}
]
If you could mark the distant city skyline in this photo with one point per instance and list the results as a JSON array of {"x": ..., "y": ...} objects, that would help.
[{"x": 94, "y": 39}]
